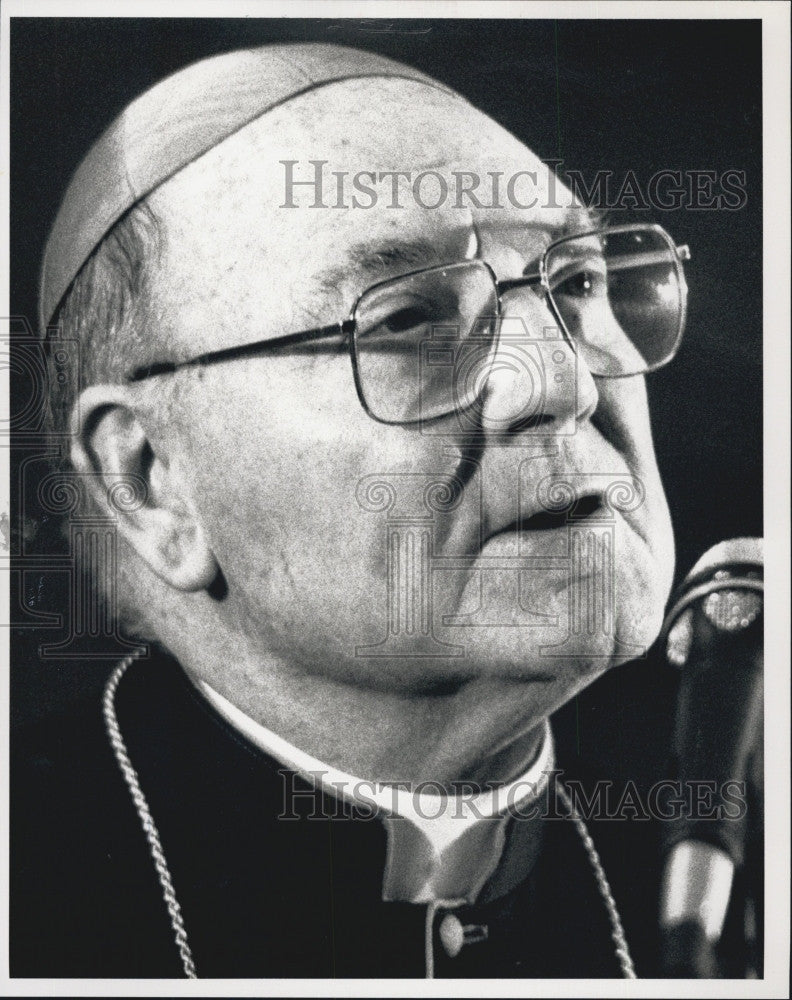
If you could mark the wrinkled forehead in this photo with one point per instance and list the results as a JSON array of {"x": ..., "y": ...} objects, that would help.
[
  {"x": 342, "y": 186},
  {"x": 355, "y": 158}
]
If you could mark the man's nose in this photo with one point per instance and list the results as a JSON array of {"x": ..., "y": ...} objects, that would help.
[{"x": 535, "y": 382}]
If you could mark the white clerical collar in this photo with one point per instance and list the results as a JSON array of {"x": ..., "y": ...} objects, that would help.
[{"x": 444, "y": 824}]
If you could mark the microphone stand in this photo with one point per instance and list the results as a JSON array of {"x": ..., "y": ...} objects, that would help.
[{"x": 711, "y": 892}]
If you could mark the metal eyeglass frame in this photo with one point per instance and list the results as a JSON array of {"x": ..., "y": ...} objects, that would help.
[{"x": 345, "y": 330}]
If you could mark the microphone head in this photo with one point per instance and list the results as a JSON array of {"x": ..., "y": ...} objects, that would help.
[
  {"x": 728, "y": 583},
  {"x": 732, "y": 552}
]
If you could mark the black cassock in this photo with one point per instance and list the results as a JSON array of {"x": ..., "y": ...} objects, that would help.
[{"x": 267, "y": 897}]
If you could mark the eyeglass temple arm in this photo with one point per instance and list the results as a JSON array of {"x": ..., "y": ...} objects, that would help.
[
  {"x": 258, "y": 347},
  {"x": 341, "y": 329}
]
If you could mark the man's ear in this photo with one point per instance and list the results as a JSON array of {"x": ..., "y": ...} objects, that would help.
[{"x": 110, "y": 446}]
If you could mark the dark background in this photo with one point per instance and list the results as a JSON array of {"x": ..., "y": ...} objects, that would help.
[{"x": 618, "y": 95}]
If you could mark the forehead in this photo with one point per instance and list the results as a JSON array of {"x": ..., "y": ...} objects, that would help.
[{"x": 273, "y": 227}]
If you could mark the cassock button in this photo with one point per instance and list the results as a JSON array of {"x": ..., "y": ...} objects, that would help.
[{"x": 454, "y": 935}]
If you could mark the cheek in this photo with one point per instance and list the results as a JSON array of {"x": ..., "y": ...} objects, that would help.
[
  {"x": 276, "y": 477},
  {"x": 623, "y": 418},
  {"x": 275, "y": 460}
]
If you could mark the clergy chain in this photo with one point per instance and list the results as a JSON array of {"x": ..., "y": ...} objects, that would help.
[
  {"x": 169, "y": 893},
  {"x": 617, "y": 931},
  {"x": 146, "y": 819}
]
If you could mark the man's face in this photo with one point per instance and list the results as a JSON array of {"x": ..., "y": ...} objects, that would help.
[{"x": 340, "y": 555}]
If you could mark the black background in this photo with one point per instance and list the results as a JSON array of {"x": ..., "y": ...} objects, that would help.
[{"x": 618, "y": 95}]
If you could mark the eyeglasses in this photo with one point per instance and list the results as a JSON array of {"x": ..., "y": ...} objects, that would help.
[{"x": 422, "y": 344}]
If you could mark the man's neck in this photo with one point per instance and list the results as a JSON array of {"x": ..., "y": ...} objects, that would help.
[{"x": 477, "y": 734}]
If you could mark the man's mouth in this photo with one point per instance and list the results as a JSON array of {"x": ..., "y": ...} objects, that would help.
[{"x": 581, "y": 507}]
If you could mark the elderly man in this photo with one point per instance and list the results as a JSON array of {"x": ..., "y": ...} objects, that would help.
[{"x": 396, "y": 502}]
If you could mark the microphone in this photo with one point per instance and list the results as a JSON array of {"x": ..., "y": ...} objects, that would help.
[{"x": 713, "y": 634}]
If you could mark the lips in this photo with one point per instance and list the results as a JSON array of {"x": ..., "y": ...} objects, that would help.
[{"x": 579, "y": 508}]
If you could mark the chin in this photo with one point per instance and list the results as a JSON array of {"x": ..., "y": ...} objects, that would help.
[{"x": 563, "y": 630}]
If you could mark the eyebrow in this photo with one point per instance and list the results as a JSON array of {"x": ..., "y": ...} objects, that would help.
[
  {"x": 581, "y": 218},
  {"x": 576, "y": 219},
  {"x": 378, "y": 260},
  {"x": 382, "y": 260},
  {"x": 374, "y": 261}
]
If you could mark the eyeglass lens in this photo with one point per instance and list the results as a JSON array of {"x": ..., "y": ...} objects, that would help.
[
  {"x": 620, "y": 297},
  {"x": 425, "y": 343}
]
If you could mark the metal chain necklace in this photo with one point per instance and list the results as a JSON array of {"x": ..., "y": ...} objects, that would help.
[
  {"x": 144, "y": 813},
  {"x": 617, "y": 931},
  {"x": 166, "y": 882}
]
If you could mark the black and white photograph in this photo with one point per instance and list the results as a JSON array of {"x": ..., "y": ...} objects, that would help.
[{"x": 396, "y": 408}]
